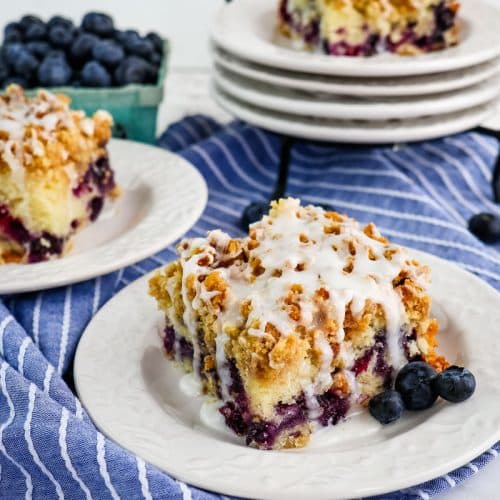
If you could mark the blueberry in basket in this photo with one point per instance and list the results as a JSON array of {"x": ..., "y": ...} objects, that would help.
[
  {"x": 94, "y": 54},
  {"x": 418, "y": 385}
]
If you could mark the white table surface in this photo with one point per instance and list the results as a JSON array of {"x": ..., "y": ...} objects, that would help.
[{"x": 186, "y": 23}]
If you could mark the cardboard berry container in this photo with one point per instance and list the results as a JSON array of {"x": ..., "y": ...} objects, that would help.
[{"x": 134, "y": 107}]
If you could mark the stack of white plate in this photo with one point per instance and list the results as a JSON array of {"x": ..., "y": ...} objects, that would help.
[{"x": 384, "y": 98}]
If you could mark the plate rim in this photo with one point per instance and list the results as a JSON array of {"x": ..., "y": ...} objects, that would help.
[
  {"x": 451, "y": 102},
  {"x": 289, "y": 124},
  {"x": 300, "y": 81},
  {"x": 238, "y": 490},
  {"x": 9, "y": 287},
  {"x": 270, "y": 54}
]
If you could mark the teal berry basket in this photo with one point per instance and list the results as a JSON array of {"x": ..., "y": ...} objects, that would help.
[{"x": 134, "y": 107}]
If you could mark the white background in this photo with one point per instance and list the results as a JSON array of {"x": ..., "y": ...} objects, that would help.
[{"x": 187, "y": 23}]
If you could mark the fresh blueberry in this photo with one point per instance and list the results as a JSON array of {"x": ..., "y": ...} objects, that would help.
[
  {"x": 38, "y": 48},
  {"x": 141, "y": 47},
  {"x": 54, "y": 71},
  {"x": 28, "y": 20},
  {"x": 122, "y": 37},
  {"x": 414, "y": 383},
  {"x": 108, "y": 52},
  {"x": 95, "y": 74},
  {"x": 156, "y": 40},
  {"x": 133, "y": 69},
  {"x": 387, "y": 407},
  {"x": 56, "y": 54},
  {"x": 456, "y": 384},
  {"x": 486, "y": 227},
  {"x": 156, "y": 58},
  {"x": 12, "y": 33},
  {"x": 60, "y": 37},
  {"x": 98, "y": 23},
  {"x": 35, "y": 31},
  {"x": 60, "y": 21},
  {"x": 11, "y": 52},
  {"x": 26, "y": 64},
  {"x": 81, "y": 49},
  {"x": 18, "y": 80}
]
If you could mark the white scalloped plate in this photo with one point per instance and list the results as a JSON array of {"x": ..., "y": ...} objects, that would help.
[
  {"x": 298, "y": 102},
  {"x": 371, "y": 87},
  {"x": 133, "y": 395},
  {"x": 163, "y": 196},
  {"x": 246, "y": 28},
  {"x": 355, "y": 131}
]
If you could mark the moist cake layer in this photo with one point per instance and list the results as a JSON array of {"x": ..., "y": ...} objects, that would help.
[
  {"x": 363, "y": 28},
  {"x": 290, "y": 327},
  {"x": 54, "y": 173}
]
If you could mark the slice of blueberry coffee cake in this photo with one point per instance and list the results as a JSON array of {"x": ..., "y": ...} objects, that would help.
[
  {"x": 54, "y": 174},
  {"x": 365, "y": 27},
  {"x": 306, "y": 318}
]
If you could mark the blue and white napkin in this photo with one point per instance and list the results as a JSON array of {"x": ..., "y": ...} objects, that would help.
[{"x": 419, "y": 195}]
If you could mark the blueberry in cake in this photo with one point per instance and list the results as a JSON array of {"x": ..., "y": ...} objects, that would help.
[
  {"x": 54, "y": 174},
  {"x": 293, "y": 326},
  {"x": 365, "y": 27}
]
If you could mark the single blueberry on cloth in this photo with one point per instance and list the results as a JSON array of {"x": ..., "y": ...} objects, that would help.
[{"x": 420, "y": 195}]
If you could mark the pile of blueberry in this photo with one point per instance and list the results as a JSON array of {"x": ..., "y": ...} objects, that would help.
[
  {"x": 35, "y": 53},
  {"x": 418, "y": 386}
]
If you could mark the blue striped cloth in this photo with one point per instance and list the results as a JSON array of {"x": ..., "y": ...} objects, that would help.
[{"x": 419, "y": 195}]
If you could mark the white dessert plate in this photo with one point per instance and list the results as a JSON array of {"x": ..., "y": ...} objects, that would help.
[
  {"x": 138, "y": 398},
  {"x": 246, "y": 28},
  {"x": 163, "y": 196},
  {"x": 355, "y": 131},
  {"x": 313, "y": 104},
  {"x": 371, "y": 87}
]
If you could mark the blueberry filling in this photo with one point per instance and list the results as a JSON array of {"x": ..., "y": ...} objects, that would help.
[
  {"x": 334, "y": 408},
  {"x": 99, "y": 175},
  {"x": 444, "y": 19},
  {"x": 185, "y": 348},
  {"x": 39, "y": 248}
]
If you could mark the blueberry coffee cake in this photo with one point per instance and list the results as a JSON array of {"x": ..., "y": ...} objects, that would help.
[
  {"x": 366, "y": 27},
  {"x": 295, "y": 325},
  {"x": 54, "y": 174}
]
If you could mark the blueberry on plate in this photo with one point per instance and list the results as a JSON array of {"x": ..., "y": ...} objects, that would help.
[
  {"x": 38, "y": 48},
  {"x": 60, "y": 37},
  {"x": 95, "y": 74},
  {"x": 133, "y": 70},
  {"x": 98, "y": 23},
  {"x": 456, "y": 384},
  {"x": 486, "y": 227},
  {"x": 12, "y": 33},
  {"x": 156, "y": 40},
  {"x": 26, "y": 64},
  {"x": 54, "y": 71},
  {"x": 60, "y": 21},
  {"x": 108, "y": 53},
  {"x": 386, "y": 407},
  {"x": 35, "y": 31},
  {"x": 81, "y": 48},
  {"x": 415, "y": 384}
]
